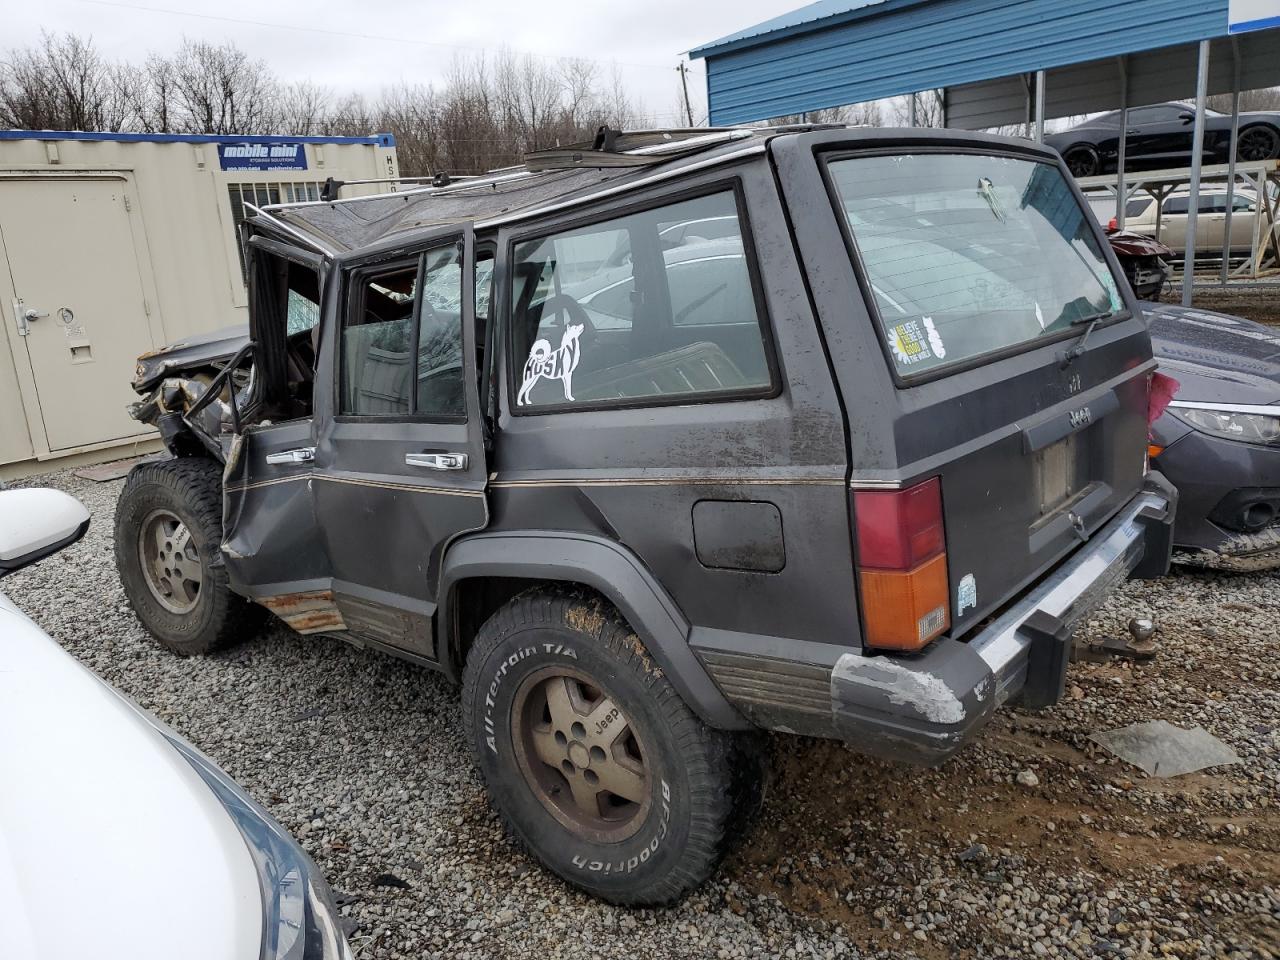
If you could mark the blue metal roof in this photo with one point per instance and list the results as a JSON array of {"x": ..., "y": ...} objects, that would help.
[
  {"x": 822, "y": 10},
  {"x": 828, "y": 54},
  {"x": 377, "y": 140}
]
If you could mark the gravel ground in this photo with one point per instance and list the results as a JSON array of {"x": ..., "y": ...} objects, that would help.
[{"x": 1032, "y": 843}]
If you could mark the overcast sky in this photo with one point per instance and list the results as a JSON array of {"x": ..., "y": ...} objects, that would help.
[{"x": 645, "y": 38}]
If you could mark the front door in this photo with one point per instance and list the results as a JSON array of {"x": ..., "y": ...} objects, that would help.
[
  {"x": 78, "y": 319},
  {"x": 400, "y": 462}
]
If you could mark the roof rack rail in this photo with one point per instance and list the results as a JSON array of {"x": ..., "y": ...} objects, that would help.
[
  {"x": 448, "y": 185},
  {"x": 279, "y": 224},
  {"x": 329, "y": 192},
  {"x": 633, "y": 148},
  {"x": 609, "y": 148}
]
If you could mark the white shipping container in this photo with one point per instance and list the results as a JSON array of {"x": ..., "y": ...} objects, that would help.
[{"x": 115, "y": 244}]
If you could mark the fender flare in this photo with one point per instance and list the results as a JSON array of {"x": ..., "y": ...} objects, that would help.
[{"x": 605, "y": 566}]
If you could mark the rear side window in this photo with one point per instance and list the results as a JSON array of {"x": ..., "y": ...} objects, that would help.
[
  {"x": 1136, "y": 208},
  {"x": 654, "y": 306},
  {"x": 970, "y": 255}
]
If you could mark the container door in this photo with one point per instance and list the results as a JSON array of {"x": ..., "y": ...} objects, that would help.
[{"x": 78, "y": 319}]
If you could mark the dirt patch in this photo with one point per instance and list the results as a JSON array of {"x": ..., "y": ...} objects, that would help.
[{"x": 862, "y": 843}]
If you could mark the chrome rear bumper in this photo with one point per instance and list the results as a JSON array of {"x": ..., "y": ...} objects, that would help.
[{"x": 926, "y": 707}]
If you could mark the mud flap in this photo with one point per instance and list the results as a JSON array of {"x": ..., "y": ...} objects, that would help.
[{"x": 1046, "y": 660}]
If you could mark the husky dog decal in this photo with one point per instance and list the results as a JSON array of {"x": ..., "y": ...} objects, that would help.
[{"x": 552, "y": 365}]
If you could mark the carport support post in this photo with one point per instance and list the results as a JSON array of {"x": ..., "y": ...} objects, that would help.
[
  {"x": 1039, "y": 106},
  {"x": 913, "y": 109},
  {"x": 1197, "y": 161},
  {"x": 1231, "y": 160},
  {"x": 1121, "y": 200}
]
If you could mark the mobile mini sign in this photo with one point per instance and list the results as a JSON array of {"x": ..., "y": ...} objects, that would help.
[{"x": 262, "y": 156}]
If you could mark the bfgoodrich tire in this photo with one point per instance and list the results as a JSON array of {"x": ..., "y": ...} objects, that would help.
[
  {"x": 168, "y": 536},
  {"x": 591, "y": 757}
]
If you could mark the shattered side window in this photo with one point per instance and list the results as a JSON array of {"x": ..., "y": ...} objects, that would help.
[
  {"x": 302, "y": 314},
  {"x": 402, "y": 342},
  {"x": 440, "y": 388},
  {"x": 377, "y": 339}
]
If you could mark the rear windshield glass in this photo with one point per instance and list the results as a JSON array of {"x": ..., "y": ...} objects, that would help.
[{"x": 969, "y": 255}]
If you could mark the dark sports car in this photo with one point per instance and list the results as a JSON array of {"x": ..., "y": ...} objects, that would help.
[
  {"x": 1219, "y": 440},
  {"x": 1160, "y": 136}
]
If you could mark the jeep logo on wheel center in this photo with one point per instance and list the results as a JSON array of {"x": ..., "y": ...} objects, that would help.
[{"x": 799, "y": 382}]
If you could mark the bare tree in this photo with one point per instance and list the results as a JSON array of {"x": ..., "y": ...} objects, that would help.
[
  {"x": 530, "y": 99},
  {"x": 218, "y": 89},
  {"x": 856, "y": 114},
  {"x": 60, "y": 84},
  {"x": 487, "y": 113},
  {"x": 302, "y": 107},
  {"x": 929, "y": 111},
  {"x": 1267, "y": 98}
]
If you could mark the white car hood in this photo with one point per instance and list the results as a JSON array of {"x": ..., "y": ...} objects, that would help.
[{"x": 111, "y": 846}]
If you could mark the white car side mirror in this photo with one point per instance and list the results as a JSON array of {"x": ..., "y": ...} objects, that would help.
[{"x": 36, "y": 523}]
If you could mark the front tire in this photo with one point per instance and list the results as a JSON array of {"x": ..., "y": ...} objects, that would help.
[
  {"x": 168, "y": 536},
  {"x": 592, "y": 758}
]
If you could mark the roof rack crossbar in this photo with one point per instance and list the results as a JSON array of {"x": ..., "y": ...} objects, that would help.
[{"x": 469, "y": 183}]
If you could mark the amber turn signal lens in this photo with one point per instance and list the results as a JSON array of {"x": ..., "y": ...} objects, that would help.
[
  {"x": 1154, "y": 450},
  {"x": 905, "y": 610}
]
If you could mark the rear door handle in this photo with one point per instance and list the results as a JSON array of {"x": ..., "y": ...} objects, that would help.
[
  {"x": 437, "y": 461},
  {"x": 300, "y": 455}
]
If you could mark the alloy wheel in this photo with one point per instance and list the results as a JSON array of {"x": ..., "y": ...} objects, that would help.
[
  {"x": 580, "y": 754},
  {"x": 171, "y": 563},
  {"x": 1081, "y": 163},
  {"x": 1258, "y": 143}
]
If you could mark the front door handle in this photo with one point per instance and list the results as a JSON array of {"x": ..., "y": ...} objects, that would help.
[
  {"x": 300, "y": 455},
  {"x": 437, "y": 461}
]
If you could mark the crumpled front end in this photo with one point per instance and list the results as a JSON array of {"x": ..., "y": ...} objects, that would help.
[{"x": 168, "y": 408}]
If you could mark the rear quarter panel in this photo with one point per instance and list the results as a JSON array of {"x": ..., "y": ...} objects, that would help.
[{"x": 637, "y": 475}]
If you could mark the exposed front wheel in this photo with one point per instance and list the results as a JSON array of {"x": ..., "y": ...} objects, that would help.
[
  {"x": 168, "y": 533},
  {"x": 594, "y": 761}
]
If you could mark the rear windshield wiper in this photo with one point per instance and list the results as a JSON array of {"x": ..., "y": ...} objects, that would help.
[{"x": 1078, "y": 347}]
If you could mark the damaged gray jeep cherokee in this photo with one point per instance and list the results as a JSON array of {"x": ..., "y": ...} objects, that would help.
[{"x": 665, "y": 439}]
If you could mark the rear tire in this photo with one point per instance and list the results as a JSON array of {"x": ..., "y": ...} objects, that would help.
[
  {"x": 1082, "y": 161},
  {"x": 168, "y": 537},
  {"x": 593, "y": 760}
]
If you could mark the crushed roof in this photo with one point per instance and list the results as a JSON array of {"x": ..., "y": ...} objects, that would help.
[
  {"x": 575, "y": 172},
  {"x": 364, "y": 221}
]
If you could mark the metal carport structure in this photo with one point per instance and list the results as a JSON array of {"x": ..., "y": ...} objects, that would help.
[{"x": 997, "y": 62}]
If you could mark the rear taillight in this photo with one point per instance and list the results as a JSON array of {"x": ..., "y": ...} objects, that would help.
[
  {"x": 1113, "y": 225},
  {"x": 902, "y": 565}
]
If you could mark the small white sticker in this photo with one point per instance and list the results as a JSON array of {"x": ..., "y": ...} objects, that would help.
[
  {"x": 1039, "y": 315},
  {"x": 544, "y": 363},
  {"x": 966, "y": 594},
  {"x": 935, "y": 338}
]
